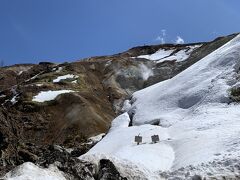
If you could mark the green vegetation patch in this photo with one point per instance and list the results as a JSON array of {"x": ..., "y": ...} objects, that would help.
[{"x": 235, "y": 94}]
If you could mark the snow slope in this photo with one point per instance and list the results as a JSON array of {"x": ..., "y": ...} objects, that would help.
[
  {"x": 198, "y": 128},
  {"x": 170, "y": 54}
]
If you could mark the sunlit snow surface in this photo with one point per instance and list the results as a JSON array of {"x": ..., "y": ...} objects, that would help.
[
  {"x": 199, "y": 130},
  {"x": 64, "y": 77},
  {"x": 162, "y": 53},
  {"x": 170, "y": 54},
  {"x": 49, "y": 95},
  {"x": 29, "y": 171}
]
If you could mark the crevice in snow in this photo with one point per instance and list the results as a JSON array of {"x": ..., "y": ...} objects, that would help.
[
  {"x": 155, "y": 122},
  {"x": 131, "y": 115}
]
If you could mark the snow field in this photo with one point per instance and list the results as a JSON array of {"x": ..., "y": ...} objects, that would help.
[{"x": 170, "y": 54}]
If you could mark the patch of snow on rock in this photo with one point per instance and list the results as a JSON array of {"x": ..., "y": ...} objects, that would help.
[
  {"x": 59, "y": 69},
  {"x": 14, "y": 99},
  {"x": 68, "y": 76},
  {"x": 3, "y": 96},
  {"x": 162, "y": 53},
  {"x": 170, "y": 54},
  {"x": 49, "y": 95},
  {"x": 181, "y": 55},
  {"x": 20, "y": 73},
  {"x": 39, "y": 85},
  {"x": 74, "y": 82},
  {"x": 29, "y": 171}
]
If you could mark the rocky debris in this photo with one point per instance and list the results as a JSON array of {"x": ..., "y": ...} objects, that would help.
[
  {"x": 107, "y": 171},
  {"x": 57, "y": 153},
  {"x": 17, "y": 146},
  {"x": 196, "y": 177},
  {"x": 26, "y": 156},
  {"x": 77, "y": 169},
  {"x": 73, "y": 168},
  {"x": 68, "y": 162}
]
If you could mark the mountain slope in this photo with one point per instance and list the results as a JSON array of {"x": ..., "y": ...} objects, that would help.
[
  {"x": 193, "y": 115},
  {"x": 46, "y": 105}
]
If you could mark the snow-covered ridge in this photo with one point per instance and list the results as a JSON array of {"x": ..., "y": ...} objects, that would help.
[
  {"x": 197, "y": 125},
  {"x": 49, "y": 95},
  {"x": 171, "y": 54}
]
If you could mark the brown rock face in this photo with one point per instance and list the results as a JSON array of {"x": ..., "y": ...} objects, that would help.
[{"x": 100, "y": 86}]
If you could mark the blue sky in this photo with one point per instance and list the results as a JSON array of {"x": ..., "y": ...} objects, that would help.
[{"x": 68, "y": 30}]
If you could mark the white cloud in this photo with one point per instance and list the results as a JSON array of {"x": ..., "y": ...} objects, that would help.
[
  {"x": 179, "y": 40},
  {"x": 162, "y": 36},
  {"x": 161, "y": 39},
  {"x": 164, "y": 32}
]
